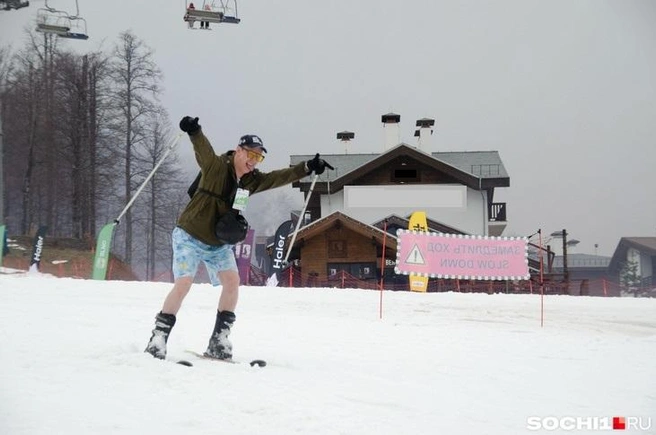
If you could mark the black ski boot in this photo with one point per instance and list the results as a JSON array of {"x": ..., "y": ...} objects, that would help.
[
  {"x": 219, "y": 346},
  {"x": 157, "y": 344}
]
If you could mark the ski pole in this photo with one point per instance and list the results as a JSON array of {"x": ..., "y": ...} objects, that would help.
[
  {"x": 298, "y": 223},
  {"x": 159, "y": 163}
]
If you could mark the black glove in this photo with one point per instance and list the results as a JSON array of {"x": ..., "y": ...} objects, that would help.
[
  {"x": 318, "y": 165},
  {"x": 189, "y": 125}
]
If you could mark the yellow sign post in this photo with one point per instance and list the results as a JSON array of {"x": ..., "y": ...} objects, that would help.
[{"x": 418, "y": 222}]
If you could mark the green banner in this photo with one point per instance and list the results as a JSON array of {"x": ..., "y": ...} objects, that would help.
[
  {"x": 2, "y": 243},
  {"x": 103, "y": 247}
]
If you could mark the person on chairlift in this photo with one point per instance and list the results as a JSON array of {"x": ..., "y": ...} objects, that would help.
[
  {"x": 190, "y": 21},
  {"x": 206, "y": 24}
]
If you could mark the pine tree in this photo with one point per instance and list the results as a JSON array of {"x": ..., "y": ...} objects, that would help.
[{"x": 630, "y": 278}]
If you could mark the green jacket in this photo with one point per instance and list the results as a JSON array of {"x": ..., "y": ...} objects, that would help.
[{"x": 201, "y": 213}]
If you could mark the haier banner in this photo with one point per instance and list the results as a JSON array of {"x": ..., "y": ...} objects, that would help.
[{"x": 37, "y": 249}]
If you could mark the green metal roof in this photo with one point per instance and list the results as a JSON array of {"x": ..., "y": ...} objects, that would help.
[{"x": 484, "y": 164}]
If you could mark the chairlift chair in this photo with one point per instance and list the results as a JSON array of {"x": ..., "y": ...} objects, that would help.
[
  {"x": 61, "y": 23},
  {"x": 78, "y": 29},
  {"x": 52, "y": 21},
  {"x": 13, "y": 4},
  {"x": 223, "y": 11}
]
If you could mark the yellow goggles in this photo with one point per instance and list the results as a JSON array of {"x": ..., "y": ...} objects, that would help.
[{"x": 252, "y": 155}]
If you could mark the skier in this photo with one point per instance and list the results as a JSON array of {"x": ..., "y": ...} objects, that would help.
[{"x": 225, "y": 183}]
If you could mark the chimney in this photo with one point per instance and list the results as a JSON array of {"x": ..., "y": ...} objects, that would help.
[
  {"x": 423, "y": 133},
  {"x": 345, "y": 137},
  {"x": 392, "y": 132},
  {"x": 571, "y": 245}
]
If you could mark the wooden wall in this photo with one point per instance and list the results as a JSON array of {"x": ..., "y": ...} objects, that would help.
[{"x": 337, "y": 245}]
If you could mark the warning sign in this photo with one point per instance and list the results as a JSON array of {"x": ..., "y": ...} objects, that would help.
[
  {"x": 415, "y": 256},
  {"x": 460, "y": 256}
]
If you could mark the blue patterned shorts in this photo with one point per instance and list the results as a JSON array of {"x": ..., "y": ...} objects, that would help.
[{"x": 189, "y": 252}]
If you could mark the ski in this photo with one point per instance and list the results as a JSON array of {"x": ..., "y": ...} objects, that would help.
[
  {"x": 255, "y": 362},
  {"x": 182, "y": 362}
]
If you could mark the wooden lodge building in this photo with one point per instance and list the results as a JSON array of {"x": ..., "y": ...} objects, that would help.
[{"x": 355, "y": 210}]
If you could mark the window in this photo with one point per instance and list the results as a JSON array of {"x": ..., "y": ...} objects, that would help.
[
  {"x": 357, "y": 270},
  {"x": 405, "y": 175}
]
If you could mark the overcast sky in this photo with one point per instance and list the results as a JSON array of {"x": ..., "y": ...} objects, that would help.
[{"x": 564, "y": 90}]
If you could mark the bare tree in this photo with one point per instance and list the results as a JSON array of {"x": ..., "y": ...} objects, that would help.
[
  {"x": 13, "y": 137},
  {"x": 28, "y": 94},
  {"x": 5, "y": 67},
  {"x": 54, "y": 109},
  {"x": 73, "y": 114},
  {"x": 73, "y": 122},
  {"x": 33, "y": 139},
  {"x": 161, "y": 193},
  {"x": 98, "y": 100},
  {"x": 136, "y": 80},
  {"x": 79, "y": 100}
]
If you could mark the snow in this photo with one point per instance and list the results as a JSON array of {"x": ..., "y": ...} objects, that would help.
[{"x": 72, "y": 360}]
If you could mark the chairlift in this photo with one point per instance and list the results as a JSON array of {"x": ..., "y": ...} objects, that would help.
[
  {"x": 61, "y": 23},
  {"x": 222, "y": 11},
  {"x": 78, "y": 29},
  {"x": 8, "y": 5}
]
